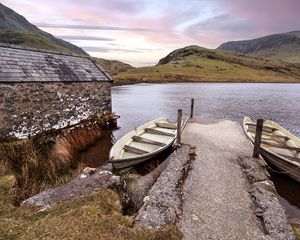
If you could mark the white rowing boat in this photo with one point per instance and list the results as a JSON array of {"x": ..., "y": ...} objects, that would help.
[
  {"x": 143, "y": 143},
  {"x": 279, "y": 147}
]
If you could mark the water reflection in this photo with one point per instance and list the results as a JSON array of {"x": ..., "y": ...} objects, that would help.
[
  {"x": 140, "y": 103},
  {"x": 98, "y": 154},
  {"x": 289, "y": 189}
]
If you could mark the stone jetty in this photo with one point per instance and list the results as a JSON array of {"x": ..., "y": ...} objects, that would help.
[{"x": 226, "y": 194}]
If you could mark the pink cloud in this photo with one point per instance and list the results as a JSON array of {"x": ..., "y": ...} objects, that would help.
[
  {"x": 173, "y": 23},
  {"x": 267, "y": 16}
]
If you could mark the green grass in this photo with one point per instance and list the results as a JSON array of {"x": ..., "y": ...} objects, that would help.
[
  {"x": 283, "y": 46},
  {"x": 206, "y": 65},
  {"x": 97, "y": 216},
  {"x": 27, "y": 39},
  {"x": 288, "y": 53},
  {"x": 113, "y": 66}
]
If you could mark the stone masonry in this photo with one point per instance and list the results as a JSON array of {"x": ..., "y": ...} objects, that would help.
[{"x": 43, "y": 90}]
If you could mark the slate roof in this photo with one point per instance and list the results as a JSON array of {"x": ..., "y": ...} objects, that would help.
[{"x": 32, "y": 65}]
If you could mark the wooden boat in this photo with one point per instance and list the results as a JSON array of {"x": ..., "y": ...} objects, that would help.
[
  {"x": 279, "y": 147},
  {"x": 143, "y": 143}
]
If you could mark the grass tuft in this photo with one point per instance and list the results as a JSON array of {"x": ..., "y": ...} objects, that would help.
[
  {"x": 98, "y": 216},
  {"x": 45, "y": 161}
]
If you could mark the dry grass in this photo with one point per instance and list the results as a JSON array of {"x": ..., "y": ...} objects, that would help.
[
  {"x": 32, "y": 170},
  {"x": 79, "y": 139},
  {"x": 98, "y": 216},
  {"x": 296, "y": 229},
  {"x": 42, "y": 162}
]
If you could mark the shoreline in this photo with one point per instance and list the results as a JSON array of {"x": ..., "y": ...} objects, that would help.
[{"x": 118, "y": 83}]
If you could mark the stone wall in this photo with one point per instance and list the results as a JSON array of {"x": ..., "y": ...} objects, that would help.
[{"x": 29, "y": 108}]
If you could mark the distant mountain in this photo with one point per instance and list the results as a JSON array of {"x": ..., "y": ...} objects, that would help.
[
  {"x": 113, "y": 67},
  {"x": 283, "y": 46},
  {"x": 15, "y": 29},
  {"x": 197, "y": 64}
]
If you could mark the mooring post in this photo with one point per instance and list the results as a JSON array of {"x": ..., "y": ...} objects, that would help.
[
  {"x": 192, "y": 108},
  {"x": 179, "y": 121},
  {"x": 258, "y": 134}
]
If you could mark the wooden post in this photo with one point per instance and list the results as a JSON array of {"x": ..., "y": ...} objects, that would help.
[
  {"x": 179, "y": 121},
  {"x": 258, "y": 134},
  {"x": 192, "y": 108}
]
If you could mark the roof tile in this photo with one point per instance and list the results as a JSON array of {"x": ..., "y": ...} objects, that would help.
[{"x": 22, "y": 65}]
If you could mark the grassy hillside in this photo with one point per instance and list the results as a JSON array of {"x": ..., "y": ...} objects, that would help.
[
  {"x": 283, "y": 46},
  {"x": 97, "y": 216},
  {"x": 113, "y": 67},
  {"x": 196, "y": 64},
  {"x": 27, "y": 39},
  {"x": 15, "y": 29}
]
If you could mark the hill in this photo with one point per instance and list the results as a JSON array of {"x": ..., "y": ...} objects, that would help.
[
  {"x": 15, "y": 29},
  {"x": 283, "y": 46},
  {"x": 113, "y": 67},
  {"x": 197, "y": 64}
]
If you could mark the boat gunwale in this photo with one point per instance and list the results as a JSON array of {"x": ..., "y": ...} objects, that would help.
[
  {"x": 295, "y": 163},
  {"x": 148, "y": 155}
]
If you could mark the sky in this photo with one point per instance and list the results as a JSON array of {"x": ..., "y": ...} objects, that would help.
[{"x": 140, "y": 32}]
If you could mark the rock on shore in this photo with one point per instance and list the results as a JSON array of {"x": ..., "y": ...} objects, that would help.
[
  {"x": 91, "y": 180},
  {"x": 163, "y": 204}
]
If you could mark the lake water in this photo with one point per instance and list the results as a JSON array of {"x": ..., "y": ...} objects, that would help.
[{"x": 137, "y": 104}]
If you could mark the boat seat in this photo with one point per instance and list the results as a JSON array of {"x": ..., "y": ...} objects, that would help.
[
  {"x": 286, "y": 138},
  {"x": 134, "y": 150},
  {"x": 158, "y": 132},
  {"x": 166, "y": 125},
  {"x": 266, "y": 127},
  {"x": 148, "y": 141},
  {"x": 281, "y": 146}
]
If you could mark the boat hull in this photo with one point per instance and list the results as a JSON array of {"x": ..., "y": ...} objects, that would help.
[
  {"x": 282, "y": 164},
  {"x": 143, "y": 143},
  {"x": 125, "y": 163}
]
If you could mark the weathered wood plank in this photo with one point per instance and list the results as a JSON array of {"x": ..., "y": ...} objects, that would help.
[
  {"x": 281, "y": 146},
  {"x": 265, "y": 127},
  {"x": 272, "y": 134},
  {"x": 179, "y": 120},
  {"x": 192, "y": 108},
  {"x": 149, "y": 141},
  {"x": 158, "y": 132},
  {"x": 275, "y": 137},
  {"x": 134, "y": 150},
  {"x": 166, "y": 125},
  {"x": 258, "y": 134}
]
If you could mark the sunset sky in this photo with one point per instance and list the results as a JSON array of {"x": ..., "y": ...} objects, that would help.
[{"x": 140, "y": 32}]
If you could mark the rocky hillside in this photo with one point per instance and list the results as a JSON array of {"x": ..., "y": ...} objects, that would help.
[
  {"x": 15, "y": 29},
  {"x": 113, "y": 67},
  {"x": 283, "y": 46},
  {"x": 197, "y": 64}
]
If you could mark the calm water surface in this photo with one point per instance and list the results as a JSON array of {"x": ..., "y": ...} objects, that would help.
[{"x": 137, "y": 104}]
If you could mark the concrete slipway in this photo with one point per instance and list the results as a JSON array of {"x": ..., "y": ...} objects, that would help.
[{"x": 224, "y": 194}]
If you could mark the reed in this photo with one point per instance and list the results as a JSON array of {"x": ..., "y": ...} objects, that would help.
[
  {"x": 80, "y": 138},
  {"x": 45, "y": 161}
]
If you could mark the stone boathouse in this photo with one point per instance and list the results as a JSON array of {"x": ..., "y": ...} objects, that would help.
[{"x": 42, "y": 90}]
